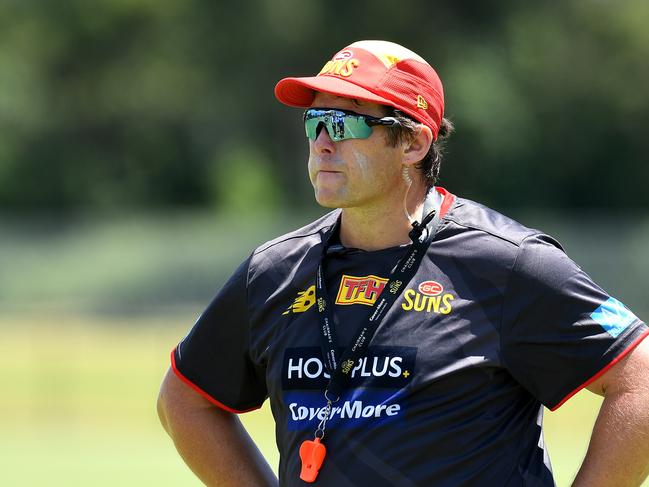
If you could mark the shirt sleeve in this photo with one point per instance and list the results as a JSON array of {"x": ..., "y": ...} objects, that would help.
[
  {"x": 560, "y": 331},
  {"x": 214, "y": 358}
]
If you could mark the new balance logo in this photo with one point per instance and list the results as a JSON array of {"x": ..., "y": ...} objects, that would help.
[{"x": 304, "y": 300}]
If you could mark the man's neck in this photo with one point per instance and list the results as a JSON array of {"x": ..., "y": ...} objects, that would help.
[{"x": 381, "y": 226}]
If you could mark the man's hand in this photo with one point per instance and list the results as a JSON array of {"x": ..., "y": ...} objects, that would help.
[
  {"x": 212, "y": 442},
  {"x": 618, "y": 453}
]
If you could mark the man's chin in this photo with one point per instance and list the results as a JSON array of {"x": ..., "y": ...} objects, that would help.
[
  {"x": 328, "y": 200},
  {"x": 327, "y": 204}
]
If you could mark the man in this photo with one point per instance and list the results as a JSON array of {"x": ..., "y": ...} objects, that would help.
[{"x": 409, "y": 337}]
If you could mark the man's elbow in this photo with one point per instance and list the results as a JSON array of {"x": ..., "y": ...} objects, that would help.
[
  {"x": 163, "y": 405},
  {"x": 175, "y": 401},
  {"x": 179, "y": 405}
]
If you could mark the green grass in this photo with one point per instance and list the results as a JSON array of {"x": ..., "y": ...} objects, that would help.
[{"x": 78, "y": 406}]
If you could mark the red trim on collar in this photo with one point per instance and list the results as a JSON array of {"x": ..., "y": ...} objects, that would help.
[{"x": 448, "y": 200}]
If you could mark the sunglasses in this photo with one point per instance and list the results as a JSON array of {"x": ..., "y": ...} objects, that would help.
[{"x": 342, "y": 124}]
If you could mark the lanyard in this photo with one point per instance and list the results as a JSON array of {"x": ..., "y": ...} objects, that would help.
[
  {"x": 402, "y": 274},
  {"x": 312, "y": 452}
]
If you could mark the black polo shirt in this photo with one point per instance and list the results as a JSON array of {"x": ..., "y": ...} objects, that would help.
[{"x": 497, "y": 322}]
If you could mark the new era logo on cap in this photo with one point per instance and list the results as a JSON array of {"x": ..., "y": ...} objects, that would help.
[{"x": 375, "y": 71}]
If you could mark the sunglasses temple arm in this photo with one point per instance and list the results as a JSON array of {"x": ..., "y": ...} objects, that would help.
[{"x": 383, "y": 121}]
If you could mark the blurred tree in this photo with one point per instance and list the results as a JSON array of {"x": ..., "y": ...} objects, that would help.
[
  {"x": 244, "y": 182},
  {"x": 122, "y": 103}
]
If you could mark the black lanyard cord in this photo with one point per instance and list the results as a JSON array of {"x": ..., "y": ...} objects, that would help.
[
  {"x": 399, "y": 278},
  {"x": 312, "y": 452}
]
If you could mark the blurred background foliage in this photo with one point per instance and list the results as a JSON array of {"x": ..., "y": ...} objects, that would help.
[
  {"x": 143, "y": 156},
  {"x": 141, "y": 103}
]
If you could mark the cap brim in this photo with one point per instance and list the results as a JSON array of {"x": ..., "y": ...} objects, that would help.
[{"x": 299, "y": 92}]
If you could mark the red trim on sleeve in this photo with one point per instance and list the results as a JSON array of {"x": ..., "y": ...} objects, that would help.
[
  {"x": 180, "y": 375},
  {"x": 449, "y": 198},
  {"x": 624, "y": 353}
]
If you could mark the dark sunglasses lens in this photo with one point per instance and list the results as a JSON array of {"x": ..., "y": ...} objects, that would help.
[{"x": 339, "y": 125}]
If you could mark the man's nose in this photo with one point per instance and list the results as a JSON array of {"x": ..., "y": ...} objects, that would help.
[{"x": 323, "y": 142}]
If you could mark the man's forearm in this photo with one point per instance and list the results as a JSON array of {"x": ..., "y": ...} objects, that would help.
[
  {"x": 618, "y": 453},
  {"x": 212, "y": 442}
]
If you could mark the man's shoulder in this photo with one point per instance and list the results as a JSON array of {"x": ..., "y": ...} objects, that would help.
[
  {"x": 468, "y": 215},
  {"x": 293, "y": 246}
]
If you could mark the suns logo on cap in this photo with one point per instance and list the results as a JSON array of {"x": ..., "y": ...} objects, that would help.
[
  {"x": 340, "y": 67},
  {"x": 422, "y": 103},
  {"x": 342, "y": 64}
]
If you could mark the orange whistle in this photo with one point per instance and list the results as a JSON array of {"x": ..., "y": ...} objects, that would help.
[{"x": 312, "y": 454}]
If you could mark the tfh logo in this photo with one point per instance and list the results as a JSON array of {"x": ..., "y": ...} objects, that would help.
[{"x": 360, "y": 290}]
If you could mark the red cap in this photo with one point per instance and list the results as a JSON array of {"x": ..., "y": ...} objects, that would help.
[{"x": 375, "y": 71}]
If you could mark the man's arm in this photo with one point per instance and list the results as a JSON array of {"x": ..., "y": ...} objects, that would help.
[
  {"x": 618, "y": 453},
  {"x": 212, "y": 442}
]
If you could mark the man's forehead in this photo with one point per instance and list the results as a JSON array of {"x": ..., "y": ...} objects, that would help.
[
  {"x": 330, "y": 96},
  {"x": 321, "y": 98}
]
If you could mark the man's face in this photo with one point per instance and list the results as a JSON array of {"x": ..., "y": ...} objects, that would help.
[{"x": 353, "y": 172}]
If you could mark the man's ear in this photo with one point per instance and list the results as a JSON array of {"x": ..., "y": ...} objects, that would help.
[{"x": 415, "y": 150}]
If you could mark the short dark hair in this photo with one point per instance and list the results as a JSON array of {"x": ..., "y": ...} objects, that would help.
[{"x": 406, "y": 130}]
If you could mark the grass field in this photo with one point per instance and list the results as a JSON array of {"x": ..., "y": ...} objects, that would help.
[{"x": 78, "y": 406}]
